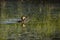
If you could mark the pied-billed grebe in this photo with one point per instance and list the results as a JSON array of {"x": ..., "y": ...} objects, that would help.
[{"x": 22, "y": 19}]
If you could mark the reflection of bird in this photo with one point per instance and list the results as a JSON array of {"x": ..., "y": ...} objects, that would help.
[{"x": 23, "y": 19}]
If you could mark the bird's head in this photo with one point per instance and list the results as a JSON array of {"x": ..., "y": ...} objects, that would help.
[{"x": 23, "y": 18}]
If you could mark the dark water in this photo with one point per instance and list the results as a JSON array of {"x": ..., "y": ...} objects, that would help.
[{"x": 44, "y": 21}]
